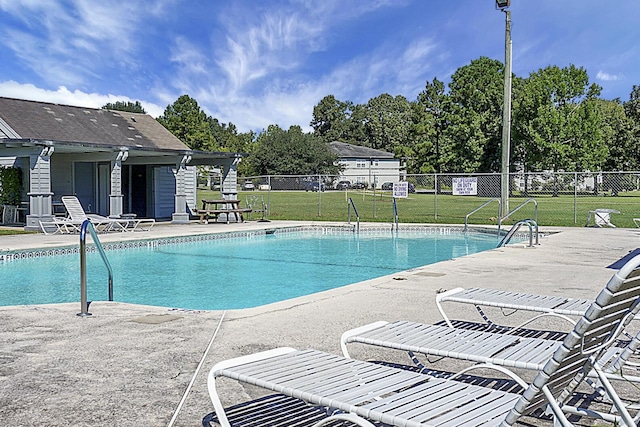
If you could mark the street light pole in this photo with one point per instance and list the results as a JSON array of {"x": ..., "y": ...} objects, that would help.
[{"x": 506, "y": 111}]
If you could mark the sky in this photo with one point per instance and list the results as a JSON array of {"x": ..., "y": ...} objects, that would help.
[{"x": 260, "y": 62}]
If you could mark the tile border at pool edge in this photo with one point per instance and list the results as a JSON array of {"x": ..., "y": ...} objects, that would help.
[{"x": 150, "y": 243}]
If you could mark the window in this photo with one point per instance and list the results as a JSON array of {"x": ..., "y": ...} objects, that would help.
[{"x": 361, "y": 163}]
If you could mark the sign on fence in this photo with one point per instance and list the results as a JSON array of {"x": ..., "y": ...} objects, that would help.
[
  {"x": 465, "y": 186},
  {"x": 401, "y": 189}
]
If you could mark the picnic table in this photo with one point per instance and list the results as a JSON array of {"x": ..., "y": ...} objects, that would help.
[{"x": 215, "y": 208}]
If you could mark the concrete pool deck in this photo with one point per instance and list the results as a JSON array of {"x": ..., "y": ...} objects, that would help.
[{"x": 129, "y": 365}]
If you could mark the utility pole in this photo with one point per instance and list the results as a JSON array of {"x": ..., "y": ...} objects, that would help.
[{"x": 506, "y": 111}]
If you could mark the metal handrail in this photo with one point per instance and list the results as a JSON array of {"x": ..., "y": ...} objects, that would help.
[
  {"x": 523, "y": 204},
  {"x": 87, "y": 225},
  {"x": 395, "y": 213},
  {"x": 349, "y": 205},
  {"x": 495, "y": 199},
  {"x": 514, "y": 229}
]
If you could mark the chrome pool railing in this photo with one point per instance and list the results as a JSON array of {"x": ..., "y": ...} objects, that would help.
[
  {"x": 349, "y": 206},
  {"x": 495, "y": 199},
  {"x": 87, "y": 225},
  {"x": 533, "y": 230},
  {"x": 395, "y": 215}
]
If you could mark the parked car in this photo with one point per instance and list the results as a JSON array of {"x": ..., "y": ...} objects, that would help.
[
  {"x": 314, "y": 186},
  {"x": 359, "y": 185},
  {"x": 343, "y": 185},
  {"x": 387, "y": 186},
  {"x": 248, "y": 186}
]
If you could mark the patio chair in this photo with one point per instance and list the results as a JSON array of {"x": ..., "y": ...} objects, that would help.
[
  {"x": 60, "y": 225},
  {"x": 505, "y": 347},
  {"x": 77, "y": 214},
  {"x": 124, "y": 223},
  {"x": 9, "y": 214},
  {"x": 547, "y": 305},
  {"x": 364, "y": 391}
]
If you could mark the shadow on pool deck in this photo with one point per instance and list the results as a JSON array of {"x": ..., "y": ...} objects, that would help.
[{"x": 129, "y": 365}]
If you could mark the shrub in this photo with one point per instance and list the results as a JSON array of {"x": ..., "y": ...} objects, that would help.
[{"x": 10, "y": 185}]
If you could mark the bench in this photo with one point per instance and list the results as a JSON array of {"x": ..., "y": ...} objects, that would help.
[
  {"x": 207, "y": 214},
  {"x": 212, "y": 209}
]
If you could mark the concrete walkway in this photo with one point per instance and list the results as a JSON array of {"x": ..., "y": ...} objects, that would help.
[{"x": 129, "y": 365}]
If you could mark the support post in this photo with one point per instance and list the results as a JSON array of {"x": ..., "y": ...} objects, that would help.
[
  {"x": 115, "y": 190},
  {"x": 40, "y": 188},
  {"x": 180, "y": 214},
  {"x": 506, "y": 117}
]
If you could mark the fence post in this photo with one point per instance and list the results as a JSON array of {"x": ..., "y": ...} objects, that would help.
[
  {"x": 435, "y": 197},
  {"x": 575, "y": 197},
  {"x": 375, "y": 211},
  {"x": 319, "y": 196},
  {"x": 269, "y": 196}
]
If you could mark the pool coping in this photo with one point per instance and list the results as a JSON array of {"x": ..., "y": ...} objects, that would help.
[{"x": 151, "y": 242}]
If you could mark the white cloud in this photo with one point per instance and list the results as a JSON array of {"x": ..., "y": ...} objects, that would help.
[
  {"x": 56, "y": 38},
  {"x": 604, "y": 76},
  {"x": 62, "y": 95}
]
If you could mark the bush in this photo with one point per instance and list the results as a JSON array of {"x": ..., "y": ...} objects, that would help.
[{"x": 10, "y": 186}]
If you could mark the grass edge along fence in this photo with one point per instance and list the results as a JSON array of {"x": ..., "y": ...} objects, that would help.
[{"x": 562, "y": 199}]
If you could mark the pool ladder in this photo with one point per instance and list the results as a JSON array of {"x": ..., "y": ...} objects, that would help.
[
  {"x": 349, "y": 206},
  {"x": 514, "y": 229},
  {"x": 495, "y": 199},
  {"x": 87, "y": 225}
]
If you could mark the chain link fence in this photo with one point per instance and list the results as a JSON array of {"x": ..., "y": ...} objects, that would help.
[{"x": 560, "y": 198}]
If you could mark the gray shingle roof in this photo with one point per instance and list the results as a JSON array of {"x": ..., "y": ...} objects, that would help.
[
  {"x": 64, "y": 123},
  {"x": 344, "y": 150}
]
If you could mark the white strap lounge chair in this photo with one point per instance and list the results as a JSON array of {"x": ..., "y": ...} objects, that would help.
[
  {"x": 366, "y": 391},
  {"x": 77, "y": 214},
  {"x": 60, "y": 225},
  {"x": 126, "y": 223},
  {"x": 479, "y": 297},
  {"x": 503, "y": 349}
]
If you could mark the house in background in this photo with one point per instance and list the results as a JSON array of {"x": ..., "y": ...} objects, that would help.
[
  {"x": 115, "y": 162},
  {"x": 366, "y": 165}
]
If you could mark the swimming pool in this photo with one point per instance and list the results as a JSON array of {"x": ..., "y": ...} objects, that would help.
[{"x": 248, "y": 270}]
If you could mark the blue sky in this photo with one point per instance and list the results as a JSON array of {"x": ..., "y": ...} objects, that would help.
[{"x": 261, "y": 62}]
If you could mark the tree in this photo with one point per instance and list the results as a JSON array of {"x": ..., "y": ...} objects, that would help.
[
  {"x": 292, "y": 152},
  {"x": 617, "y": 131},
  {"x": 331, "y": 119},
  {"x": 558, "y": 122},
  {"x": 230, "y": 140},
  {"x": 387, "y": 122},
  {"x": 476, "y": 93},
  {"x": 131, "y": 107},
  {"x": 189, "y": 123},
  {"x": 632, "y": 111},
  {"x": 430, "y": 145}
]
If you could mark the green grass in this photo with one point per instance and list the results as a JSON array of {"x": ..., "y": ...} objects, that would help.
[
  {"x": 563, "y": 210},
  {"x": 14, "y": 230}
]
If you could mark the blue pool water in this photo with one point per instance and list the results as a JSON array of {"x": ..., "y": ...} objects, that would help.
[{"x": 232, "y": 273}]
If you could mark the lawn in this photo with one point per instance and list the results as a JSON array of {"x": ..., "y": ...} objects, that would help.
[
  {"x": 564, "y": 210},
  {"x": 13, "y": 230}
]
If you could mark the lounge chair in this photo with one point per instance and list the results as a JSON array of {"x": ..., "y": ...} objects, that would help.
[
  {"x": 60, "y": 225},
  {"x": 506, "y": 347},
  {"x": 126, "y": 223},
  {"x": 479, "y": 297},
  {"x": 364, "y": 391}
]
